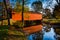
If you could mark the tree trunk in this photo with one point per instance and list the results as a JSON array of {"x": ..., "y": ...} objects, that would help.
[
  {"x": 7, "y": 13},
  {"x": 23, "y": 12}
]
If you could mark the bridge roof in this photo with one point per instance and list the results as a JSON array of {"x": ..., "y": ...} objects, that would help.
[{"x": 27, "y": 16}]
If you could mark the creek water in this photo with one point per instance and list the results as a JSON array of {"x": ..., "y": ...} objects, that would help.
[{"x": 46, "y": 36}]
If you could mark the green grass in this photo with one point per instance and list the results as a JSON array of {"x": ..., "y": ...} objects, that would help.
[
  {"x": 4, "y": 27},
  {"x": 3, "y": 32}
]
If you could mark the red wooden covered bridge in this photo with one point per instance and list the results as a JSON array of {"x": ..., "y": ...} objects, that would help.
[{"x": 29, "y": 16}]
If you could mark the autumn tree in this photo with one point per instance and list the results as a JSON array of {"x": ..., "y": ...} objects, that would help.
[
  {"x": 37, "y": 6},
  {"x": 56, "y": 11},
  {"x": 18, "y": 6},
  {"x": 47, "y": 13}
]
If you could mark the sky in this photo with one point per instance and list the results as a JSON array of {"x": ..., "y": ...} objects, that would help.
[
  {"x": 49, "y": 4},
  {"x": 14, "y": 2},
  {"x": 46, "y": 4}
]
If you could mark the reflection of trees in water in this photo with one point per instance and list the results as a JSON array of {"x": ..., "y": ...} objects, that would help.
[
  {"x": 47, "y": 27},
  {"x": 37, "y": 36},
  {"x": 56, "y": 28},
  {"x": 57, "y": 31}
]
